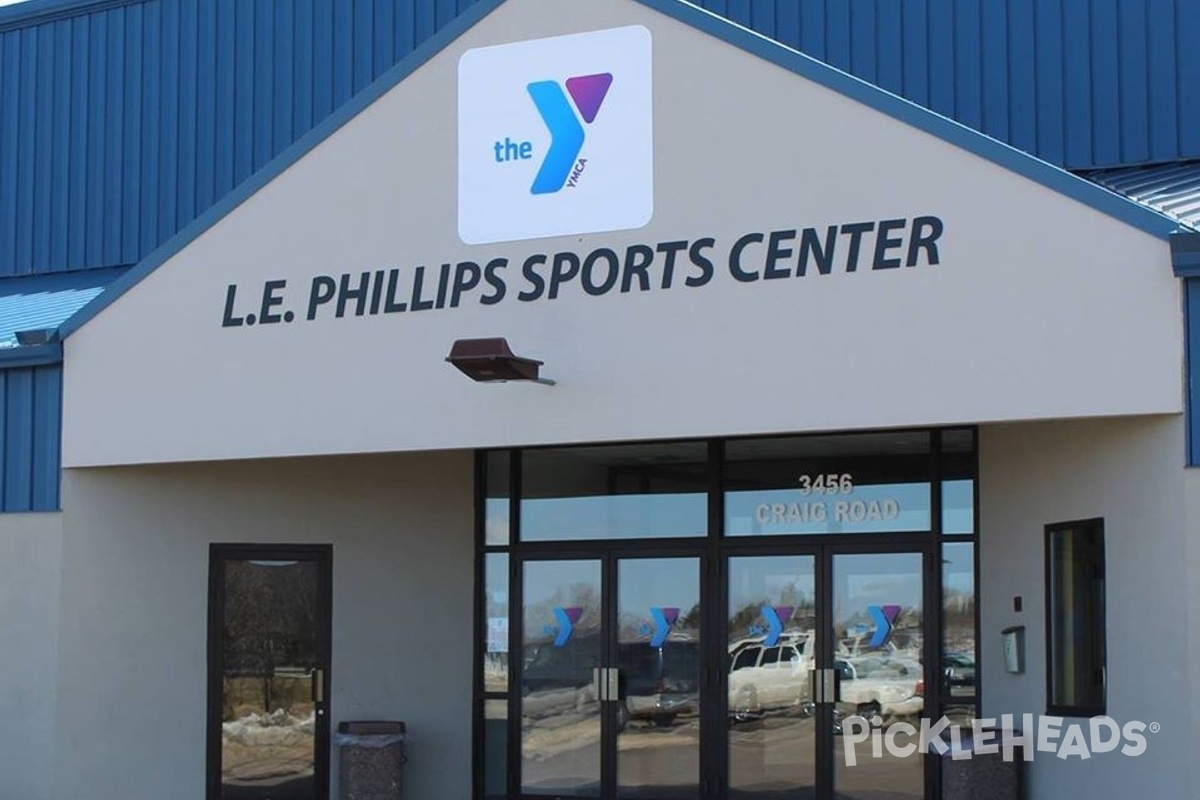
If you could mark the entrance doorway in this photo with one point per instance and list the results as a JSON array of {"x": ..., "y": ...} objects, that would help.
[
  {"x": 623, "y": 695},
  {"x": 724, "y": 619},
  {"x": 268, "y": 672},
  {"x": 817, "y": 642},
  {"x": 611, "y": 675}
]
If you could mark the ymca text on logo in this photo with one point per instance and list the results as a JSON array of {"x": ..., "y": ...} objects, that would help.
[{"x": 561, "y": 166}]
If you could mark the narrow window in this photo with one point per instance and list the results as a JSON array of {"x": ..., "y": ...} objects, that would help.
[{"x": 1075, "y": 618}]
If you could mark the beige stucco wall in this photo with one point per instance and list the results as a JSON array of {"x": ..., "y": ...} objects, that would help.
[
  {"x": 131, "y": 684},
  {"x": 134, "y": 558},
  {"x": 30, "y": 552},
  {"x": 1129, "y": 471}
]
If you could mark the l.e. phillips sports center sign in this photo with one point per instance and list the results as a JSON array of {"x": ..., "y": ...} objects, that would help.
[
  {"x": 857, "y": 247},
  {"x": 555, "y": 138}
]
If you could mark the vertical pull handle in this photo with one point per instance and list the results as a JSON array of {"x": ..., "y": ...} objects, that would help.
[
  {"x": 318, "y": 677},
  {"x": 814, "y": 686},
  {"x": 832, "y": 688},
  {"x": 613, "y": 689},
  {"x": 598, "y": 686}
]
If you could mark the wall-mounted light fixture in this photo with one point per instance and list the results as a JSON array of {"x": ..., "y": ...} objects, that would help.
[{"x": 493, "y": 361}]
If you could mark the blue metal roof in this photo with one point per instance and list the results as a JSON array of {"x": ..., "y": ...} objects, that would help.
[
  {"x": 1173, "y": 189},
  {"x": 46, "y": 301}
]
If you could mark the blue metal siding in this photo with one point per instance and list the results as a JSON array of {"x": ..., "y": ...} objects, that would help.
[
  {"x": 121, "y": 122},
  {"x": 30, "y": 412},
  {"x": 1080, "y": 83}
]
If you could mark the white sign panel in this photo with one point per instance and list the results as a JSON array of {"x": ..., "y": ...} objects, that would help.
[{"x": 555, "y": 137}]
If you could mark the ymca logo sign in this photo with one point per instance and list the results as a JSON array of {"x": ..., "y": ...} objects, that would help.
[{"x": 555, "y": 137}]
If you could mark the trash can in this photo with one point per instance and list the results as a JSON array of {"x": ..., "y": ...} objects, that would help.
[
  {"x": 371, "y": 759},
  {"x": 982, "y": 776}
]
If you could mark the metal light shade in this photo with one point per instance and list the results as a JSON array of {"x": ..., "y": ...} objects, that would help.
[{"x": 489, "y": 360}]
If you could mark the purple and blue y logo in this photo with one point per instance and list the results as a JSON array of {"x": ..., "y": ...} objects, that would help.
[
  {"x": 885, "y": 618},
  {"x": 561, "y": 165},
  {"x": 777, "y": 618},
  {"x": 664, "y": 620},
  {"x": 566, "y": 619}
]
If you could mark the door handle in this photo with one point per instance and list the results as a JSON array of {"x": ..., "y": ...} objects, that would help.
[
  {"x": 831, "y": 687},
  {"x": 318, "y": 685},
  {"x": 824, "y": 685},
  {"x": 606, "y": 683},
  {"x": 613, "y": 688}
]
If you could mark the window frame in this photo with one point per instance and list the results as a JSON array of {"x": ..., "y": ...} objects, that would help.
[{"x": 1052, "y": 530}]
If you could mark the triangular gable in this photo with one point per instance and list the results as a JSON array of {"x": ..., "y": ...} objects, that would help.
[
  {"x": 1060, "y": 180},
  {"x": 811, "y": 244}
]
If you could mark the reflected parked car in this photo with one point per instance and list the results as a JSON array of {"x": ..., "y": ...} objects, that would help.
[
  {"x": 766, "y": 679},
  {"x": 659, "y": 683},
  {"x": 549, "y": 668},
  {"x": 880, "y": 686},
  {"x": 958, "y": 674}
]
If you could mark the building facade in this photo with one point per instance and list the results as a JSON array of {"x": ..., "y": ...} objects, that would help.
[{"x": 856, "y": 408}]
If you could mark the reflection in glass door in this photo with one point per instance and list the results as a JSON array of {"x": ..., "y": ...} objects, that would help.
[
  {"x": 610, "y": 680},
  {"x": 562, "y": 646},
  {"x": 879, "y": 655},
  {"x": 268, "y": 656},
  {"x": 659, "y": 660},
  {"x": 817, "y": 643},
  {"x": 772, "y": 626}
]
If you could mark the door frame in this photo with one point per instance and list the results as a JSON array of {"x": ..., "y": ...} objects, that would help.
[
  {"x": 218, "y": 554},
  {"x": 714, "y": 682},
  {"x": 608, "y": 555},
  {"x": 823, "y": 549},
  {"x": 931, "y": 641}
]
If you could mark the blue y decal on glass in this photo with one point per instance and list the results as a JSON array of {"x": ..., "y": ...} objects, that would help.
[
  {"x": 776, "y": 617},
  {"x": 566, "y": 618},
  {"x": 885, "y": 618},
  {"x": 664, "y": 620}
]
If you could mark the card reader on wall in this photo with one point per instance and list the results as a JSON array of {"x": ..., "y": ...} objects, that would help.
[{"x": 1014, "y": 649}]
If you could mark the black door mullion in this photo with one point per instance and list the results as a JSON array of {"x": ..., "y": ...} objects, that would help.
[
  {"x": 608, "y": 659},
  {"x": 934, "y": 701},
  {"x": 516, "y": 671},
  {"x": 714, "y": 684},
  {"x": 824, "y": 661}
]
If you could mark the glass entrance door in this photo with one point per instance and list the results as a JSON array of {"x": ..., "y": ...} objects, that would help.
[
  {"x": 877, "y": 640},
  {"x": 269, "y": 646},
  {"x": 824, "y": 647},
  {"x": 610, "y": 677},
  {"x": 773, "y": 623}
]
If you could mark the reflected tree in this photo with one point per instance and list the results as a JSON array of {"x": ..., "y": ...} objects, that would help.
[{"x": 270, "y": 622}]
